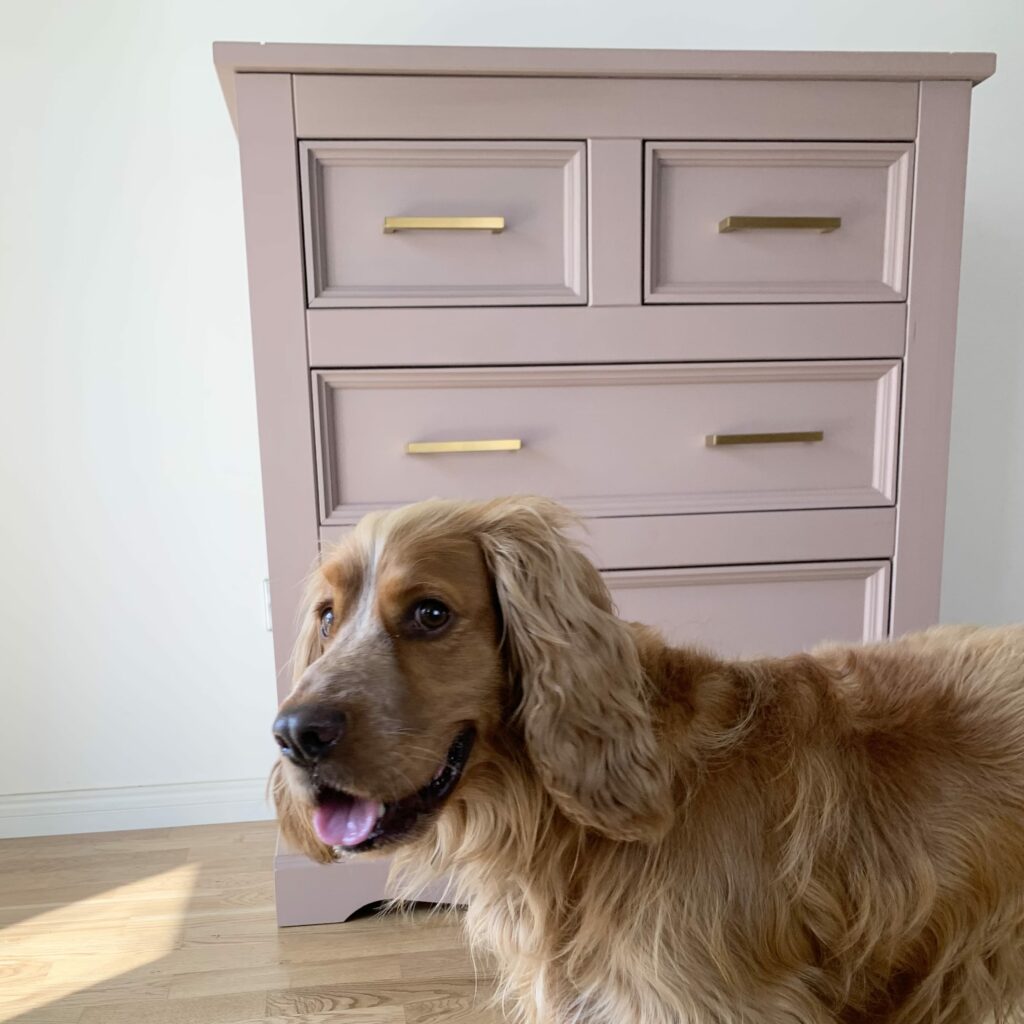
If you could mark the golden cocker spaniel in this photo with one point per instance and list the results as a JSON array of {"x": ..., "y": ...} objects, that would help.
[{"x": 647, "y": 834}]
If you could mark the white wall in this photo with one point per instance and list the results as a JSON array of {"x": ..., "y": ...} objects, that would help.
[{"x": 135, "y": 668}]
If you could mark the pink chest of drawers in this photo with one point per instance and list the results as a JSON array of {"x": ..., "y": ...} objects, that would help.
[{"x": 706, "y": 299}]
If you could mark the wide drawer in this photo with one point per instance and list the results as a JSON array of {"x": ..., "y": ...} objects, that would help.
[
  {"x": 444, "y": 223},
  {"x": 777, "y": 222},
  {"x": 611, "y": 440},
  {"x": 759, "y": 609}
]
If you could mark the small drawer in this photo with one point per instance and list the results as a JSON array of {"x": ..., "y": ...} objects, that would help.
[
  {"x": 777, "y": 222},
  {"x": 444, "y": 223},
  {"x": 611, "y": 440},
  {"x": 759, "y": 609}
]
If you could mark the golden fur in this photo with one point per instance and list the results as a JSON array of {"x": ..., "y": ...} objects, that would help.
[{"x": 652, "y": 835}]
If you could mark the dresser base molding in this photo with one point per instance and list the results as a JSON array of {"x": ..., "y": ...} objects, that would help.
[{"x": 311, "y": 893}]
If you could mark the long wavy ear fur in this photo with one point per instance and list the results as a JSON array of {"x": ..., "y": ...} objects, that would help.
[
  {"x": 584, "y": 707},
  {"x": 295, "y": 819},
  {"x": 294, "y": 816}
]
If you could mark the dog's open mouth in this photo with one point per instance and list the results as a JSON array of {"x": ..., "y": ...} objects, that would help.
[{"x": 356, "y": 824}]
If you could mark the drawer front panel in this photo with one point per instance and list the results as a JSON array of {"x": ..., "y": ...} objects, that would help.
[
  {"x": 759, "y": 609},
  {"x": 615, "y": 440},
  {"x": 489, "y": 223},
  {"x": 786, "y": 222}
]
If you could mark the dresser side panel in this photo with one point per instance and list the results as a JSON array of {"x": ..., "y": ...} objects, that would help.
[
  {"x": 274, "y": 249},
  {"x": 937, "y": 232}
]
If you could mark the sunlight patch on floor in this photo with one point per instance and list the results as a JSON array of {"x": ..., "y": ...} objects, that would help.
[{"x": 38, "y": 966}]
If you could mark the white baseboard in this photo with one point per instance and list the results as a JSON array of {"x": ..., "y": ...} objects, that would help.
[{"x": 68, "y": 812}]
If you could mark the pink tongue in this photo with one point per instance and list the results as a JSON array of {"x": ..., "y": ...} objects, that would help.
[{"x": 346, "y": 822}]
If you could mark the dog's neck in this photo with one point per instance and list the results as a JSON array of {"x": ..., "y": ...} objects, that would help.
[{"x": 700, "y": 703}]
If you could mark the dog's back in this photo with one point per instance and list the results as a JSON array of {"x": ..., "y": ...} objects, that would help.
[
  {"x": 941, "y": 723},
  {"x": 889, "y": 784}
]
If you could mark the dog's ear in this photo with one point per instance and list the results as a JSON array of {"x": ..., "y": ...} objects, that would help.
[
  {"x": 293, "y": 814},
  {"x": 584, "y": 707},
  {"x": 296, "y": 818}
]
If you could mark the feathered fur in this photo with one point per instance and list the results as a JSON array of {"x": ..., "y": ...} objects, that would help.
[{"x": 652, "y": 835}]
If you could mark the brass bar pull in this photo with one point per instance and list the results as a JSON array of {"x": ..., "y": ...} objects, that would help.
[
  {"x": 493, "y": 224},
  {"x": 441, "y": 447},
  {"x": 824, "y": 225},
  {"x": 787, "y": 437}
]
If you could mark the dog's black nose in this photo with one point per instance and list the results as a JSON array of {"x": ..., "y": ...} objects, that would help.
[{"x": 307, "y": 733}]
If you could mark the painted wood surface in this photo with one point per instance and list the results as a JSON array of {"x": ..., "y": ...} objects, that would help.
[
  {"x": 730, "y": 538},
  {"x": 270, "y": 192},
  {"x": 408, "y": 107},
  {"x": 444, "y": 337},
  {"x": 931, "y": 341},
  {"x": 615, "y": 168},
  {"x": 334, "y": 58},
  {"x": 235, "y": 58}
]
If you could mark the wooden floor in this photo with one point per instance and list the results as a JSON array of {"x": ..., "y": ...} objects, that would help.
[{"x": 176, "y": 926}]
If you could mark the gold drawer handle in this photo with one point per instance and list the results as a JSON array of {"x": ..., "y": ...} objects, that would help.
[
  {"x": 493, "y": 224},
  {"x": 788, "y": 437},
  {"x": 439, "y": 447},
  {"x": 824, "y": 225}
]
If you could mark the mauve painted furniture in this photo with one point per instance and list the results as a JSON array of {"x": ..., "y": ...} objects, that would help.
[{"x": 706, "y": 299}]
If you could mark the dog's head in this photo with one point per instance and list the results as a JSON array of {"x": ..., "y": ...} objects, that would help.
[{"x": 437, "y": 633}]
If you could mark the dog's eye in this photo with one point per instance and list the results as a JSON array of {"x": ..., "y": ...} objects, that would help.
[
  {"x": 326, "y": 622},
  {"x": 431, "y": 614}
]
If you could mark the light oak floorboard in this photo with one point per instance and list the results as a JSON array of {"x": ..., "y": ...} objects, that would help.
[{"x": 176, "y": 926}]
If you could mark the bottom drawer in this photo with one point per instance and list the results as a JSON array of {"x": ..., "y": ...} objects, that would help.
[
  {"x": 758, "y": 609},
  {"x": 757, "y": 583}
]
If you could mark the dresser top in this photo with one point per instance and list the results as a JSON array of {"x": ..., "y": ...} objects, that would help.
[{"x": 342, "y": 59}]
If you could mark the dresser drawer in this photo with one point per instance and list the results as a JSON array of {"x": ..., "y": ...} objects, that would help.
[
  {"x": 611, "y": 440},
  {"x": 758, "y": 609},
  {"x": 777, "y": 222},
  {"x": 444, "y": 223}
]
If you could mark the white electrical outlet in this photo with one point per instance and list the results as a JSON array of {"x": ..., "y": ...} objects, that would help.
[{"x": 268, "y": 619}]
